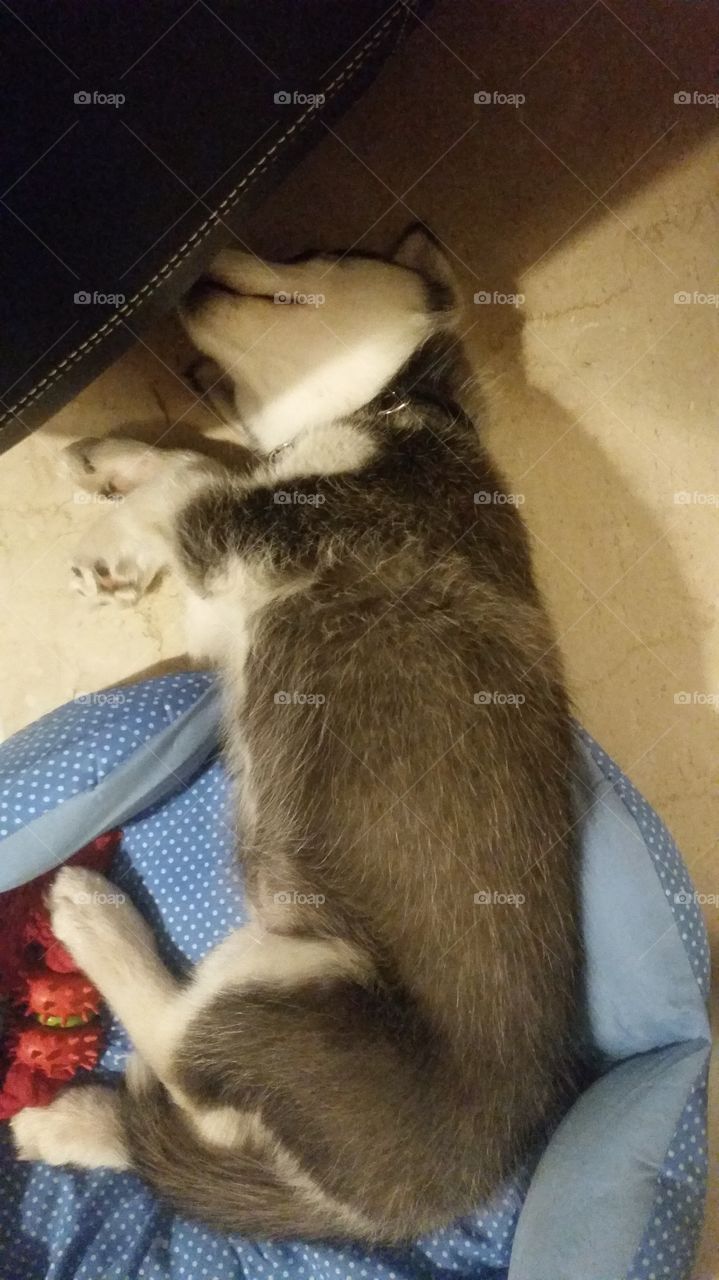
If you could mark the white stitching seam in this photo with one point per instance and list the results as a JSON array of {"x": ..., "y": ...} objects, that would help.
[{"x": 260, "y": 167}]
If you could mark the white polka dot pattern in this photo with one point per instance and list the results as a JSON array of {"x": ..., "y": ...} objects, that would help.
[
  {"x": 176, "y": 862},
  {"x": 669, "y": 1242},
  {"x": 668, "y": 864},
  {"x": 667, "y": 1250},
  {"x": 70, "y": 750}
]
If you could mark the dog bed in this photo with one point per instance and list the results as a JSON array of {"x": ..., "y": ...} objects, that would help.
[{"x": 616, "y": 1194}]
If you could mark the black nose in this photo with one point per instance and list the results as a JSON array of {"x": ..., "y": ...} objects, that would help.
[{"x": 202, "y": 291}]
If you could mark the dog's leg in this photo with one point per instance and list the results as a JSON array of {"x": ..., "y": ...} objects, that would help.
[
  {"x": 112, "y": 943},
  {"x": 113, "y": 466},
  {"x": 114, "y": 946},
  {"x": 116, "y": 559},
  {"x": 125, "y": 551}
]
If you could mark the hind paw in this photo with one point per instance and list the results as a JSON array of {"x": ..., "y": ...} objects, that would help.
[{"x": 81, "y": 1127}]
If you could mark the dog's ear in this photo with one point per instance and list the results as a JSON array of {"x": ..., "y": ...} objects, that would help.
[{"x": 421, "y": 251}]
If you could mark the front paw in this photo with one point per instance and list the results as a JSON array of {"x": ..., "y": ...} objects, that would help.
[
  {"x": 109, "y": 465},
  {"x": 94, "y": 919},
  {"x": 117, "y": 578},
  {"x": 113, "y": 562}
]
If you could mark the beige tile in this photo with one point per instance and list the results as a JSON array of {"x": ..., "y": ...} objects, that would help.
[{"x": 597, "y": 201}]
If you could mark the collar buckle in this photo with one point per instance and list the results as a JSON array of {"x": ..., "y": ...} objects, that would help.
[
  {"x": 275, "y": 453},
  {"x": 395, "y": 408}
]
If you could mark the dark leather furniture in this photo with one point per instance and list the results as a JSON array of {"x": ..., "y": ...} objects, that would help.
[{"x": 135, "y": 132}]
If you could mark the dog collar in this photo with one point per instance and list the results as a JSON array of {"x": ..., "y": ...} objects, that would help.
[
  {"x": 274, "y": 454},
  {"x": 396, "y": 403}
]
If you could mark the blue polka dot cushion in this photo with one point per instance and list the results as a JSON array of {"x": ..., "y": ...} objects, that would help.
[{"x": 617, "y": 1192}]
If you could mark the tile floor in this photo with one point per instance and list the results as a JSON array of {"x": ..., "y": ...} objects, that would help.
[{"x": 595, "y": 199}]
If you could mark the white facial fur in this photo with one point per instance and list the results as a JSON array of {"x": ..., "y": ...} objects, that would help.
[{"x": 302, "y": 363}]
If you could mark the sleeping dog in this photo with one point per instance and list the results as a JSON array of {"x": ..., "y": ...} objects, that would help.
[{"x": 376, "y": 1050}]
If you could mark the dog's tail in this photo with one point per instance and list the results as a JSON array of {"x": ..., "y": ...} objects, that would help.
[{"x": 251, "y": 1185}]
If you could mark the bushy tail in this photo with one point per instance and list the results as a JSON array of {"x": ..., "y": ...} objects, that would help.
[{"x": 241, "y": 1188}]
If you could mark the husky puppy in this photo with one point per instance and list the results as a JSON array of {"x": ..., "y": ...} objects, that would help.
[{"x": 377, "y": 1049}]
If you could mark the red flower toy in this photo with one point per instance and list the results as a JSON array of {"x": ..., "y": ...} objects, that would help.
[{"x": 48, "y": 1008}]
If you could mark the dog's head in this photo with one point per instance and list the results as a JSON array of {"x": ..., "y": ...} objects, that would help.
[{"x": 309, "y": 341}]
